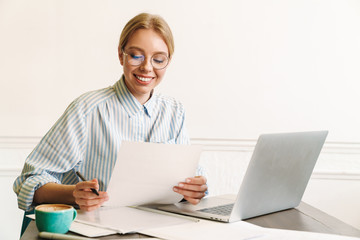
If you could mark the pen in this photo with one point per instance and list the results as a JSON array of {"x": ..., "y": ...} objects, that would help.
[
  {"x": 83, "y": 179},
  {"x": 49, "y": 235}
]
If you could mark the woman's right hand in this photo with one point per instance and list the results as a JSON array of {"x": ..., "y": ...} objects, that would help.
[{"x": 85, "y": 198}]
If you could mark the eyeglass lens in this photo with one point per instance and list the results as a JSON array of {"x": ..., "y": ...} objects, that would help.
[{"x": 158, "y": 61}]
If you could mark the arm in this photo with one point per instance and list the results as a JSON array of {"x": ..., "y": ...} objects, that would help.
[
  {"x": 53, "y": 160},
  {"x": 55, "y": 193}
]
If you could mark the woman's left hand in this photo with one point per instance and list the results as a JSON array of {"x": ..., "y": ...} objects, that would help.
[{"x": 193, "y": 189}]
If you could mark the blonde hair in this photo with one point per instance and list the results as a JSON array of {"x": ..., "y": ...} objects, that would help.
[{"x": 148, "y": 21}]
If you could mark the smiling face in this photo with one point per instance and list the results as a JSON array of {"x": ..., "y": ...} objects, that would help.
[{"x": 142, "y": 79}]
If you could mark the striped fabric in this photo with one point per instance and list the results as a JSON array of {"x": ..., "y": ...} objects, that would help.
[{"x": 87, "y": 137}]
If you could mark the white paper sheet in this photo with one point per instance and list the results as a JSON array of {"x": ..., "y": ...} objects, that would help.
[
  {"x": 146, "y": 173},
  {"x": 127, "y": 219},
  {"x": 211, "y": 230},
  {"x": 279, "y": 234},
  {"x": 208, "y": 230}
]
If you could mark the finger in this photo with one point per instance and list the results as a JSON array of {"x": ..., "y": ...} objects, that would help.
[
  {"x": 193, "y": 201},
  {"x": 192, "y": 187},
  {"x": 85, "y": 194},
  {"x": 188, "y": 193},
  {"x": 87, "y": 185},
  {"x": 200, "y": 180},
  {"x": 87, "y": 202},
  {"x": 92, "y": 200},
  {"x": 88, "y": 194}
]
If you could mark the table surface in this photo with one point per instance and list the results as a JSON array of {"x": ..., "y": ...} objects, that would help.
[{"x": 302, "y": 218}]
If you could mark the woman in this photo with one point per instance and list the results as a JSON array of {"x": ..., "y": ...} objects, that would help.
[{"x": 88, "y": 135}]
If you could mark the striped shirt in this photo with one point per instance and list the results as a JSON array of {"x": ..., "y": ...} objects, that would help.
[{"x": 88, "y": 135}]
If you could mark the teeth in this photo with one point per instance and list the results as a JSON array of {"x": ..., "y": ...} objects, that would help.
[{"x": 143, "y": 79}]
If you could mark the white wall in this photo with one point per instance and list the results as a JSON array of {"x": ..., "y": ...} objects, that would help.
[
  {"x": 241, "y": 68},
  {"x": 11, "y": 216},
  {"x": 13, "y": 152}
]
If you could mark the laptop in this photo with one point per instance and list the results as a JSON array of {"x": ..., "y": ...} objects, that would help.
[{"x": 275, "y": 180}]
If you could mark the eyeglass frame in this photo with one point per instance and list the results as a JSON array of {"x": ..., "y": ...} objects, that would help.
[{"x": 167, "y": 63}]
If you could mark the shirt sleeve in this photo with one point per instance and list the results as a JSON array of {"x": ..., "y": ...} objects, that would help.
[{"x": 60, "y": 150}]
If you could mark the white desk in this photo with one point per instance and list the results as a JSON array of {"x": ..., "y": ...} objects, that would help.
[{"x": 302, "y": 218}]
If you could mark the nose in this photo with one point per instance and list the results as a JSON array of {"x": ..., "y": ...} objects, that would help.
[{"x": 146, "y": 65}]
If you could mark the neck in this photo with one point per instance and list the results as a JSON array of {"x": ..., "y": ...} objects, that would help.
[{"x": 144, "y": 98}]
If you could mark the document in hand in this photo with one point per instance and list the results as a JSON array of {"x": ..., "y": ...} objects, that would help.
[{"x": 145, "y": 173}]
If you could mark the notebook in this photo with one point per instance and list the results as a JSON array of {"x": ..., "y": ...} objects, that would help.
[{"x": 275, "y": 180}]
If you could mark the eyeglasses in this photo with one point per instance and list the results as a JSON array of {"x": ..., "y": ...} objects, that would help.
[{"x": 135, "y": 58}]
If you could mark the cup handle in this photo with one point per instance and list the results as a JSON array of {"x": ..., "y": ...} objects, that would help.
[{"x": 75, "y": 214}]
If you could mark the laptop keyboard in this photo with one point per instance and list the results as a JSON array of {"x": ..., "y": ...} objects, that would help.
[{"x": 223, "y": 210}]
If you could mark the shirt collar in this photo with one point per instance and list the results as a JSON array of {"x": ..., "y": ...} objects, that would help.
[
  {"x": 150, "y": 104},
  {"x": 131, "y": 105}
]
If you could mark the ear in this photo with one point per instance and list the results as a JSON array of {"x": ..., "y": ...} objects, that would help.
[{"x": 121, "y": 56}]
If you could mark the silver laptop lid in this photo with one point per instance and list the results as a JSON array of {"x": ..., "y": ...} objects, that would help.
[{"x": 278, "y": 173}]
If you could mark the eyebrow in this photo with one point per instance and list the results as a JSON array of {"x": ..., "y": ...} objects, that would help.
[{"x": 141, "y": 50}]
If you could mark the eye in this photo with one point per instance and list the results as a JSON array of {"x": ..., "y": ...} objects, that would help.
[
  {"x": 136, "y": 57},
  {"x": 159, "y": 58}
]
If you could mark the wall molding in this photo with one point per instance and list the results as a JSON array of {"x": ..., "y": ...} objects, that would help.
[
  {"x": 20, "y": 142},
  {"x": 15, "y": 171},
  {"x": 341, "y": 150},
  {"x": 350, "y": 151},
  {"x": 210, "y": 144},
  {"x": 217, "y": 144},
  {"x": 332, "y": 175},
  {"x": 10, "y": 171}
]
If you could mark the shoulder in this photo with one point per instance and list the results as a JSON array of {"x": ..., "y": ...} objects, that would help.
[
  {"x": 170, "y": 107},
  {"x": 169, "y": 102},
  {"x": 89, "y": 101}
]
